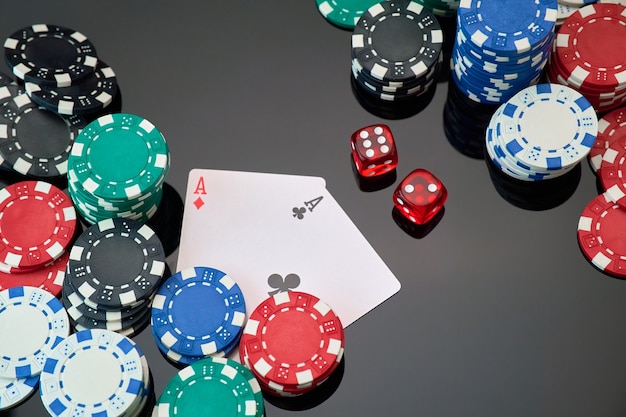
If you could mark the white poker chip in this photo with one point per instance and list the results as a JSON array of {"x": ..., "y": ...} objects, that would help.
[
  {"x": 32, "y": 323},
  {"x": 94, "y": 372},
  {"x": 542, "y": 132},
  {"x": 15, "y": 391}
]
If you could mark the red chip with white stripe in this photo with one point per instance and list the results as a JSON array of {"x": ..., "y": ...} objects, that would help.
[
  {"x": 37, "y": 224},
  {"x": 611, "y": 128},
  {"x": 49, "y": 278},
  {"x": 601, "y": 235},
  {"x": 293, "y": 340}
]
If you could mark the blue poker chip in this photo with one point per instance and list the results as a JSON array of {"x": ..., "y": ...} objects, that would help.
[
  {"x": 507, "y": 27},
  {"x": 501, "y": 47},
  {"x": 33, "y": 323},
  {"x": 198, "y": 311},
  {"x": 185, "y": 360}
]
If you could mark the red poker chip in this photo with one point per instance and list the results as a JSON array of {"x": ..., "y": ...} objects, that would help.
[
  {"x": 292, "y": 342},
  {"x": 590, "y": 45},
  {"x": 37, "y": 224},
  {"x": 613, "y": 172},
  {"x": 277, "y": 390},
  {"x": 601, "y": 235},
  {"x": 49, "y": 278},
  {"x": 611, "y": 128}
]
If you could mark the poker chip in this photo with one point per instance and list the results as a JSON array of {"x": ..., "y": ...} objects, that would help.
[
  {"x": 15, "y": 391},
  {"x": 95, "y": 372},
  {"x": 117, "y": 167},
  {"x": 25, "y": 149},
  {"x": 611, "y": 128},
  {"x": 198, "y": 312},
  {"x": 33, "y": 323},
  {"x": 589, "y": 54},
  {"x": 600, "y": 235},
  {"x": 50, "y": 54},
  {"x": 396, "y": 50},
  {"x": 541, "y": 133},
  {"x": 343, "y": 13},
  {"x": 211, "y": 386},
  {"x": 501, "y": 47},
  {"x": 49, "y": 278},
  {"x": 116, "y": 263},
  {"x": 178, "y": 359},
  {"x": 114, "y": 269},
  {"x": 612, "y": 174},
  {"x": 37, "y": 224},
  {"x": 74, "y": 303},
  {"x": 92, "y": 94},
  {"x": 292, "y": 343}
]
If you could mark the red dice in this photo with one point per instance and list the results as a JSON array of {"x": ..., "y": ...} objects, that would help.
[
  {"x": 374, "y": 150},
  {"x": 420, "y": 196}
]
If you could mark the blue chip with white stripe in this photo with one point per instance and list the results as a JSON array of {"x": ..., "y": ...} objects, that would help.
[
  {"x": 507, "y": 27},
  {"x": 32, "y": 323},
  {"x": 501, "y": 47},
  {"x": 93, "y": 373},
  {"x": 198, "y": 311}
]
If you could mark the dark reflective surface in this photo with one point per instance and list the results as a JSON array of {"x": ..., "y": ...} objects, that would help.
[{"x": 499, "y": 313}]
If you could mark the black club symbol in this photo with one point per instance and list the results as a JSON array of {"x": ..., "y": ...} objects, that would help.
[
  {"x": 290, "y": 282},
  {"x": 298, "y": 212}
]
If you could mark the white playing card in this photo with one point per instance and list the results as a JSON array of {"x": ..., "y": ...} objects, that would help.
[{"x": 276, "y": 232}]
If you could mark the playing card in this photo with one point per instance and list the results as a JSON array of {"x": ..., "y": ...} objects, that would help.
[{"x": 276, "y": 232}]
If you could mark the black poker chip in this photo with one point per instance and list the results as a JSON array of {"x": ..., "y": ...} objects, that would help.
[
  {"x": 37, "y": 142},
  {"x": 91, "y": 94},
  {"x": 50, "y": 54}
]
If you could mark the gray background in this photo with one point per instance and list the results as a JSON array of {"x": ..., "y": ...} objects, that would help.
[{"x": 499, "y": 313}]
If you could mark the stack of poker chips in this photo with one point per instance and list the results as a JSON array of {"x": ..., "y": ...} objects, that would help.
[
  {"x": 292, "y": 343},
  {"x": 211, "y": 387},
  {"x": 501, "y": 46},
  {"x": 65, "y": 86},
  {"x": 589, "y": 55},
  {"x": 117, "y": 167},
  {"x": 33, "y": 323},
  {"x": 61, "y": 69},
  {"x": 541, "y": 133},
  {"x": 197, "y": 313},
  {"x": 600, "y": 226},
  {"x": 396, "y": 51},
  {"x": 115, "y": 267},
  {"x": 123, "y": 384},
  {"x": 37, "y": 227}
]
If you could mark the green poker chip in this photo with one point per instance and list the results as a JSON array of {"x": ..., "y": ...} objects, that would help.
[
  {"x": 117, "y": 167},
  {"x": 344, "y": 13},
  {"x": 211, "y": 387}
]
